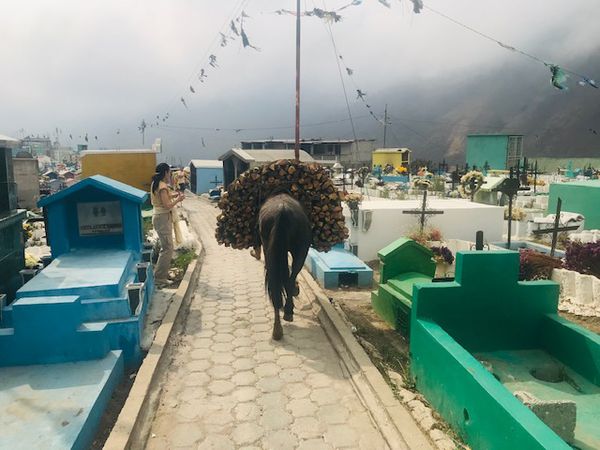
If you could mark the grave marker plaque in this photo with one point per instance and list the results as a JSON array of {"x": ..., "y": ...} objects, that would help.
[{"x": 99, "y": 218}]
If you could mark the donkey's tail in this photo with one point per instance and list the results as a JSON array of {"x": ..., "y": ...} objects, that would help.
[{"x": 276, "y": 259}]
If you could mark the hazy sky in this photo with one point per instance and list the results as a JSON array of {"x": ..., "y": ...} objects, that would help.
[{"x": 99, "y": 66}]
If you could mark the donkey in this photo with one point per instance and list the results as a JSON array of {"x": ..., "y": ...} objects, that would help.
[{"x": 284, "y": 228}]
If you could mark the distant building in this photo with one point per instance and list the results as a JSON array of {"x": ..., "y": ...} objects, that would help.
[
  {"x": 499, "y": 151},
  {"x": 395, "y": 156},
  {"x": 205, "y": 174},
  {"x": 348, "y": 152},
  {"x": 36, "y": 146},
  {"x": 236, "y": 161},
  {"x": 27, "y": 178},
  {"x": 63, "y": 154}
]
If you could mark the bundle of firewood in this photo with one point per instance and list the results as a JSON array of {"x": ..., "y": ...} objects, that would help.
[{"x": 307, "y": 183}]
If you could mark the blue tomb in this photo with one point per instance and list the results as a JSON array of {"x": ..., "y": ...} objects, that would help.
[
  {"x": 92, "y": 298},
  {"x": 338, "y": 267}
]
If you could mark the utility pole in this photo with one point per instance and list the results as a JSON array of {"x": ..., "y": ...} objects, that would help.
[
  {"x": 142, "y": 129},
  {"x": 297, "y": 142},
  {"x": 385, "y": 125}
]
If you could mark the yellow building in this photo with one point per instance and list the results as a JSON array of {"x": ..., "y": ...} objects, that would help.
[
  {"x": 397, "y": 157},
  {"x": 132, "y": 167}
]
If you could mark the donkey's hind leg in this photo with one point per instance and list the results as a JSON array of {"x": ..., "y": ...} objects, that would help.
[
  {"x": 292, "y": 289},
  {"x": 277, "y": 328}
]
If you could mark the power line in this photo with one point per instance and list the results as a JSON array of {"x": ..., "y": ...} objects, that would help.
[
  {"x": 237, "y": 130},
  {"x": 585, "y": 79},
  {"x": 337, "y": 60}
]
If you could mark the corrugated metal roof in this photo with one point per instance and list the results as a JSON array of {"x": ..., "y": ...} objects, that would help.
[
  {"x": 264, "y": 156},
  {"x": 206, "y": 163}
]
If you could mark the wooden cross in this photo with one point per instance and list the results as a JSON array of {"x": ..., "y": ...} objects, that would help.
[
  {"x": 423, "y": 212},
  {"x": 555, "y": 229}
]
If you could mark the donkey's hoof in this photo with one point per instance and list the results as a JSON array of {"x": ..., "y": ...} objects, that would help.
[
  {"x": 288, "y": 317},
  {"x": 277, "y": 334}
]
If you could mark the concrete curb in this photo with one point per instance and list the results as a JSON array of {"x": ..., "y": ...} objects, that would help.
[
  {"x": 133, "y": 424},
  {"x": 395, "y": 422}
]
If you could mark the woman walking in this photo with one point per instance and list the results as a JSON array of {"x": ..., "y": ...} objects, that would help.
[{"x": 162, "y": 220}]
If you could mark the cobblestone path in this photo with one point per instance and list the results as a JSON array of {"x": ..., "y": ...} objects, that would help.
[{"x": 231, "y": 387}]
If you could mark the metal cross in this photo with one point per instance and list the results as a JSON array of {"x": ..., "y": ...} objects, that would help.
[
  {"x": 555, "y": 229},
  {"x": 534, "y": 172},
  {"x": 423, "y": 212},
  {"x": 510, "y": 187},
  {"x": 216, "y": 182}
]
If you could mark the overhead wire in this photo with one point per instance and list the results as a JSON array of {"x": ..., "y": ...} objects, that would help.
[
  {"x": 503, "y": 45},
  {"x": 284, "y": 127},
  {"x": 337, "y": 60}
]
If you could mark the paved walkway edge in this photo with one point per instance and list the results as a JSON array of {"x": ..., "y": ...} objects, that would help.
[
  {"x": 395, "y": 422},
  {"x": 135, "y": 419}
]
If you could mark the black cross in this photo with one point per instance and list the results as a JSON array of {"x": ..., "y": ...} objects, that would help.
[
  {"x": 525, "y": 170},
  {"x": 455, "y": 178},
  {"x": 423, "y": 212},
  {"x": 510, "y": 187},
  {"x": 216, "y": 182},
  {"x": 555, "y": 229},
  {"x": 534, "y": 172}
]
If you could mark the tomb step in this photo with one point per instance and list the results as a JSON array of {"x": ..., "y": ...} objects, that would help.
[
  {"x": 404, "y": 282},
  {"x": 7, "y": 312},
  {"x": 7, "y": 331},
  {"x": 105, "y": 309},
  {"x": 53, "y": 345},
  {"x": 121, "y": 334},
  {"x": 46, "y": 314}
]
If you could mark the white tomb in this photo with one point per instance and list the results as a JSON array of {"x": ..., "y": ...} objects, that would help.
[{"x": 382, "y": 221}]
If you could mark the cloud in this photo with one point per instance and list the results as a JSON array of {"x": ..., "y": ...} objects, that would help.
[{"x": 103, "y": 65}]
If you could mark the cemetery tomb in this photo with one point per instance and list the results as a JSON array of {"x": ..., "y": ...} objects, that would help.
[
  {"x": 12, "y": 247},
  {"x": 516, "y": 375},
  {"x": 382, "y": 221},
  {"x": 205, "y": 174},
  {"x": 403, "y": 263},
  {"x": 579, "y": 197},
  {"x": 89, "y": 299},
  {"x": 83, "y": 313},
  {"x": 338, "y": 267}
]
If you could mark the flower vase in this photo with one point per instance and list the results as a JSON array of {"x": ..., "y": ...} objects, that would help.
[{"x": 441, "y": 269}]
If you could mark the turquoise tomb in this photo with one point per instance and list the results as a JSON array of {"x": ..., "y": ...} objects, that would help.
[{"x": 76, "y": 327}]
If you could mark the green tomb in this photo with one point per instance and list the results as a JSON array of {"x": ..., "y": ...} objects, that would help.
[
  {"x": 402, "y": 264},
  {"x": 582, "y": 197},
  {"x": 480, "y": 341}
]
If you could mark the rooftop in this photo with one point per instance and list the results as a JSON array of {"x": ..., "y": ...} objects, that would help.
[
  {"x": 100, "y": 182},
  {"x": 207, "y": 163},
  {"x": 249, "y": 156},
  {"x": 125, "y": 150},
  {"x": 306, "y": 141},
  {"x": 7, "y": 141},
  {"x": 392, "y": 150}
]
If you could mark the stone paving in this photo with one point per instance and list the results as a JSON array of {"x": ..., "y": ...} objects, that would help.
[{"x": 231, "y": 387}]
